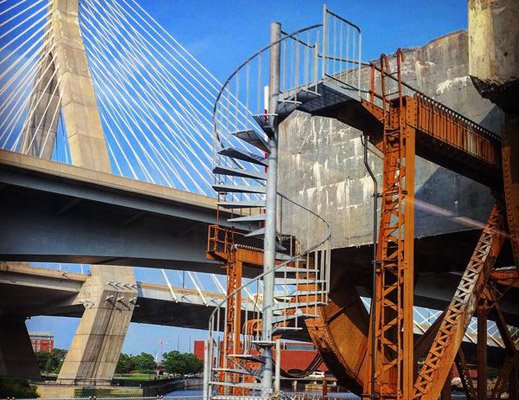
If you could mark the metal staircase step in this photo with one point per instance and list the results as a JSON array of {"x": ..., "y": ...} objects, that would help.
[
  {"x": 254, "y": 139},
  {"x": 294, "y": 281},
  {"x": 292, "y": 269},
  {"x": 284, "y": 257},
  {"x": 291, "y": 295},
  {"x": 249, "y": 357},
  {"x": 242, "y": 204},
  {"x": 284, "y": 318},
  {"x": 249, "y": 218},
  {"x": 256, "y": 233},
  {"x": 296, "y": 306},
  {"x": 262, "y": 344},
  {"x": 234, "y": 371},
  {"x": 243, "y": 385},
  {"x": 244, "y": 156},
  {"x": 239, "y": 189},
  {"x": 266, "y": 122},
  {"x": 243, "y": 173},
  {"x": 280, "y": 247}
]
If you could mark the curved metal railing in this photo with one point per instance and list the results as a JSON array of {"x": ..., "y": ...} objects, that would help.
[
  {"x": 216, "y": 359},
  {"x": 330, "y": 50}
]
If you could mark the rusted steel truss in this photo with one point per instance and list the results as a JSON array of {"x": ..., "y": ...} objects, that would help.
[
  {"x": 448, "y": 339},
  {"x": 393, "y": 329}
]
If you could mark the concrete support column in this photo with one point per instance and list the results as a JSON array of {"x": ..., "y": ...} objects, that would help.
[
  {"x": 79, "y": 107},
  {"x": 493, "y": 52},
  {"x": 109, "y": 296},
  {"x": 17, "y": 357}
]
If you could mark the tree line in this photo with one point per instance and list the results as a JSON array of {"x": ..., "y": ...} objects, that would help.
[{"x": 174, "y": 362}]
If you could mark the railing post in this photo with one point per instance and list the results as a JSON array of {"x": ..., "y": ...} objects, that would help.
[
  {"x": 360, "y": 64},
  {"x": 323, "y": 41},
  {"x": 277, "y": 379},
  {"x": 207, "y": 369}
]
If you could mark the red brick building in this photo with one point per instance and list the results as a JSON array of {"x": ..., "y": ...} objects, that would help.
[{"x": 42, "y": 341}]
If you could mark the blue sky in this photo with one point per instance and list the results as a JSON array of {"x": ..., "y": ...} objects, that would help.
[{"x": 221, "y": 34}]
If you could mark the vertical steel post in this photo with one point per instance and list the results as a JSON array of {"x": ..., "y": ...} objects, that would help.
[
  {"x": 269, "y": 258},
  {"x": 481, "y": 352},
  {"x": 277, "y": 376},
  {"x": 324, "y": 40},
  {"x": 207, "y": 367}
]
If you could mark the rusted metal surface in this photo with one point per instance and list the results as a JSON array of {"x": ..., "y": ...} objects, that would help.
[
  {"x": 393, "y": 330},
  {"x": 447, "y": 138},
  {"x": 481, "y": 352},
  {"x": 510, "y": 159},
  {"x": 456, "y": 132},
  {"x": 511, "y": 362},
  {"x": 508, "y": 371},
  {"x": 506, "y": 276},
  {"x": 448, "y": 339},
  {"x": 340, "y": 334},
  {"x": 466, "y": 380}
]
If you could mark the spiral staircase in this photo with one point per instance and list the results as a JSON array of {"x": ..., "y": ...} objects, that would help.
[{"x": 294, "y": 72}]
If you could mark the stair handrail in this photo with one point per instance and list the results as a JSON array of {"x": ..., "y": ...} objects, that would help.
[
  {"x": 292, "y": 259},
  {"x": 219, "y": 306}
]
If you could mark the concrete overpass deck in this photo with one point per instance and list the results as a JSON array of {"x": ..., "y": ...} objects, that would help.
[
  {"x": 33, "y": 291},
  {"x": 62, "y": 213}
]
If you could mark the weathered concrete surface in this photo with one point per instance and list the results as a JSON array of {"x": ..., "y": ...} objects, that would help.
[
  {"x": 16, "y": 355},
  {"x": 79, "y": 107},
  {"x": 494, "y": 68},
  {"x": 494, "y": 50},
  {"x": 39, "y": 134},
  {"x": 109, "y": 296},
  {"x": 321, "y": 160}
]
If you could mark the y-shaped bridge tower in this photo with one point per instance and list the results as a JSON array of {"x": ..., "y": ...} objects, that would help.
[{"x": 64, "y": 85}]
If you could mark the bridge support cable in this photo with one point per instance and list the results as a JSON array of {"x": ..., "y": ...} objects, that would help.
[{"x": 155, "y": 99}]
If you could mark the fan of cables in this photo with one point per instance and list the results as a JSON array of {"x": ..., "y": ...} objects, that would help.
[{"x": 154, "y": 98}]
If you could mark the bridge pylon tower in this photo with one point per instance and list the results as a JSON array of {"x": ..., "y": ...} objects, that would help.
[{"x": 96, "y": 346}]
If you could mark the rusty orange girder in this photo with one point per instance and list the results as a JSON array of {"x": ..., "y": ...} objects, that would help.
[
  {"x": 393, "y": 330},
  {"x": 506, "y": 277},
  {"x": 443, "y": 351},
  {"x": 510, "y": 161}
]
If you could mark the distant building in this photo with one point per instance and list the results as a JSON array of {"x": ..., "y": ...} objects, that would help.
[{"x": 42, "y": 341}]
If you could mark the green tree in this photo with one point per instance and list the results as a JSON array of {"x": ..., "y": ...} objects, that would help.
[
  {"x": 50, "y": 362},
  {"x": 182, "y": 363},
  {"x": 144, "y": 362},
  {"x": 125, "y": 364}
]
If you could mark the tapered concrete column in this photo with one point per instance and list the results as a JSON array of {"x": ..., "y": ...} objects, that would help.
[
  {"x": 109, "y": 296},
  {"x": 80, "y": 114},
  {"x": 39, "y": 132},
  {"x": 16, "y": 355}
]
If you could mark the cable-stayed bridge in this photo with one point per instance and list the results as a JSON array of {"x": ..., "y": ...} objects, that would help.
[{"x": 100, "y": 85}]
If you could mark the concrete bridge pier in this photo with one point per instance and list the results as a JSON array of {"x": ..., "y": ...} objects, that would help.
[
  {"x": 109, "y": 296},
  {"x": 16, "y": 355}
]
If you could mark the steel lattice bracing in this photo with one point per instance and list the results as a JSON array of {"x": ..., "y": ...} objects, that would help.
[{"x": 446, "y": 344}]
